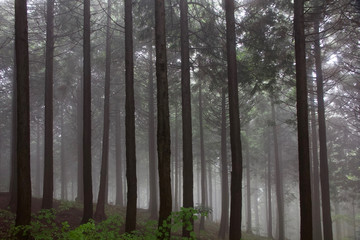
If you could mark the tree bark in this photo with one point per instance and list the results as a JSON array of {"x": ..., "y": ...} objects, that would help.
[
  {"x": 324, "y": 168},
  {"x": 23, "y": 209},
  {"x": 102, "y": 196},
  {"x": 163, "y": 126},
  {"x": 130, "y": 224},
  {"x": 188, "y": 175},
  {"x": 87, "y": 175},
  {"x": 62, "y": 155},
  {"x": 269, "y": 220},
  {"x": 118, "y": 153},
  {"x": 235, "y": 139},
  {"x": 79, "y": 119},
  {"x": 248, "y": 189},
  {"x": 176, "y": 163},
  {"x": 153, "y": 203},
  {"x": 306, "y": 231},
  {"x": 224, "y": 223},
  {"x": 48, "y": 192}
]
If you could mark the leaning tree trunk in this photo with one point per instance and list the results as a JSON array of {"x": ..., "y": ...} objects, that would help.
[
  {"x": 324, "y": 168},
  {"x": 188, "y": 175},
  {"x": 47, "y": 201},
  {"x": 130, "y": 223},
  {"x": 23, "y": 207},
  {"x": 224, "y": 223},
  {"x": 235, "y": 139},
  {"x": 163, "y": 126},
  {"x": 302, "y": 117},
  {"x": 102, "y": 196},
  {"x": 87, "y": 178}
]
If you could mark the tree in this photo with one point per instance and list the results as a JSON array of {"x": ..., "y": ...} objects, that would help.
[
  {"x": 188, "y": 176},
  {"x": 87, "y": 178},
  {"x": 100, "y": 207},
  {"x": 119, "y": 180},
  {"x": 302, "y": 124},
  {"x": 163, "y": 125},
  {"x": 235, "y": 140},
  {"x": 23, "y": 209},
  {"x": 130, "y": 223},
  {"x": 47, "y": 201}
]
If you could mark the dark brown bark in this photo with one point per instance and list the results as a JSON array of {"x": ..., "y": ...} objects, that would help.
[
  {"x": 163, "y": 125},
  {"x": 102, "y": 196},
  {"x": 130, "y": 224},
  {"x": 224, "y": 223},
  {"x": 118, "y": 153},
  {"x": 235, "y": 140},
  {"x": 48, "y": 192},
  {"x": 324, "y": 168},
  {"x": 278, "y": 176},
  {"x": 302, "y": 117},
  {"x": 87, "y": 175},
  {"x": 188, "y": 175},
  {"x": 315, "y": 172},
  {"x": 248, "y": 189},
  {"x": 202, "y": 159},
  {"x": 23, "y": 209},
  {"x": 153, "y": 203}
]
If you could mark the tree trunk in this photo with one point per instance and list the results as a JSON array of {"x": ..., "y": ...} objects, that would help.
[
  {"x": 47, "y": 201},
  {"x": 302, "y": 117},
  {"x": 278, "y": 176},
  {"x": 23, "y": 209},
  {"x": 102, "y": 197},
  {"x": 38, "y": 161},
  {"x": 202, "y": 159},
  {"x": 153, "y": 203},
  {"x": 188, "y": 175},
  {"x": 269, "y": 220},
  {"x": 163, "y": 126},
  {"x": 324, "y": 168},
  {"x": 62, "y": 155},
  {"x": 118, "y": 153},
  {"x": 224, "y": 223},
  {"x": 176, "y": 167},
  {"x": 315, "y": 173},
  {"x": 87, "y": 175},
  {"x": 235, "y": 139},
  {"x": 256, "y": 206},
  {"x": 248, "y": 189},
  {"x": 130, "y": 224}
]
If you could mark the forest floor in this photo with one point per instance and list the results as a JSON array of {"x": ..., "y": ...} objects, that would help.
[{"x": 71, "y": 213}]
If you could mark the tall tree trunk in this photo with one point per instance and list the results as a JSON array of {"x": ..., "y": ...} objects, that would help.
[
  {"x": 100, "y": 206},
  {"x": 130, "y": 224},
  {"x": 176, "y": 167},
  {"x": 47, "y": 201},
  {"x": 256, "y": 206},
  {"x": 269, "y": 220},
  {"x": 79, "y": 120},
  {"x": 23, "y": 208},
  {"x": 163, "y": 126},
  {"x": 224, "y": 223},
  {"x": 210, "y": 203},
  {"x": 87, "y": 175},
  {"x": 38, "y": 162},
  {"x": 118, "y": 154},
  {"x": 188, "y": 175},
  {"x": 278, "y": 176},
  {"x": 202, "y": 159},
  {"x": 306, "y": 231},
  {"x": 153, "y": 203},
  {"x": 235, "y": 139},
  {"x": 62, "y": 155},
  {"x": 248, "y": 189},
  {"x": 324, "y": 168},
  {"x": 315, "y": 173}
]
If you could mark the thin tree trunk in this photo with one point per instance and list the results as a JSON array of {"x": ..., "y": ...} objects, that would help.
[
  {"x": 102, "y": 196},
  {"x": 188, "y": 175},
  {"x": 324, "y": 168},
  {"x": 153, "y": 202},
  {"x": 118, "y": 153},
  {"x": 248, "y": 189},
  {"x": 38, "y": 162},
  {"x": 235, "y": 139},
  {"x": 176, "y": 190},
  {"x": 130, "y": 224},
  {"x": 202, "y": 159},
  {"x": 87, "y": 175},
  {"x": 23, "y": 208},
  {"x": 62, "y": 155},
  {"x": 224, "y": 223},
  {"x": 47, "y": 201},
  {"x": 210, "y": 184},
  {"x": 256, "y": 206},
  {"x": 278, "y": 176},
  {"x": 306, "y": 231},
  {"x": 163, "y": 126},
  {"x": 79, "y": 119},
  {"x": 269, "y": 221}
]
